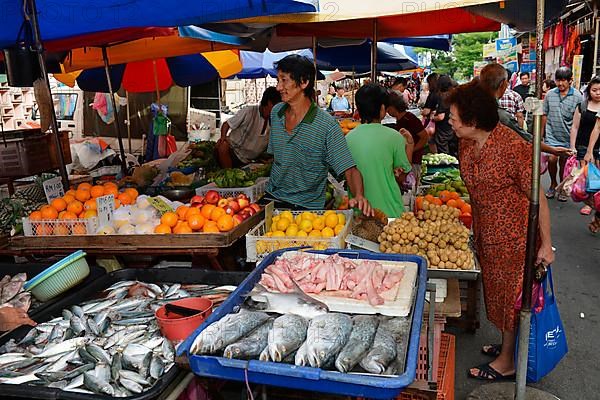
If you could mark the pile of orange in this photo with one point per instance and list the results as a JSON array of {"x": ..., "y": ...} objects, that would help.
[
  {"x": 451, "y": 199},
  {"x": 208, "y": 219},
  {"x": 77, "y": 203}
]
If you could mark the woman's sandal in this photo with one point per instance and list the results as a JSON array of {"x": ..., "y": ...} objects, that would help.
[
  {"x": 487, "y": 373},
  {"x": 594, "y": 226},
  {"x": 586, "y": 210},
  {"x": 492, "y": 350}
]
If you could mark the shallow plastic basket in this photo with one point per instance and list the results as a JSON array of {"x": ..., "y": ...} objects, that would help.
[
  {"x": 254, "y": 192},
  {"x": 308, "y": 378},
  {"x": 258, "y": 245},
  {"x": 60, "y": 277}
]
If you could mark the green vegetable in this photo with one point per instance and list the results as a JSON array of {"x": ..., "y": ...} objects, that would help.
[{"x": 231, "y": 178}]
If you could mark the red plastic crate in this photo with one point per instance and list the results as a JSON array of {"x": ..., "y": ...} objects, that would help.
[{"x": 446, "y": 369}]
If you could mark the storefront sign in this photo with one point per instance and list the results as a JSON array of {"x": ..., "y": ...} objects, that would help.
[
  {"x": 506, "y": 51},
  {"x": 577, "y": 66},
  {"x": 105, "y": 206},
  {"x": 53, "y": 188},
  {"x": 489, "y": 50}
]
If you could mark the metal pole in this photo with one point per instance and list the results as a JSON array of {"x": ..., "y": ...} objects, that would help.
[
  {"x": 596, "y": 44},
  {"x": 53, "y": 123},
  {"x": 374, "y": 53},
  {"x": 314, "y": 51},
  {"x": 128, "y": 122},
  {"x": 539, "y": 48},
  {"x": 114, "y": 104}
]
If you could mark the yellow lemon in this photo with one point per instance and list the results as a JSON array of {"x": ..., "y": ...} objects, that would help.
[
  {"x": 331, "y": 220},
  {"x": 338, "y": 229},
  {"x": 287, "y": 214},
  {"x": 276, "y": 218},
  {"x": 327, "y": 232},
  {"x": 328, "y": 212},
  {"x": 318, "y": 223},
  {"x": 278, "y": 234},
  {"x": 283, "y": 224},
  {"x": 298, "y": 219},
  {"x": 269, "y": 234},
  {"x": 302, "y": 234},
  {"x": 315, "y": 233},
  {"x": 306, "y": 225},
  {"x": 308, "y": 216},
  {"x": 341, "y": 219},
  {"x": 292, "y": 231}
]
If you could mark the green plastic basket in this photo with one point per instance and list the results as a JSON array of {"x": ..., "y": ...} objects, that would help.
[{"x": 60, "y": 277}]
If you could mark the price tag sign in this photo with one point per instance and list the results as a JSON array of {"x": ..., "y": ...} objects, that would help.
[
  {"x": 159, "y": 205},
  {"x": 53, "y": 188},
  {"x": 105, "y": 206}
]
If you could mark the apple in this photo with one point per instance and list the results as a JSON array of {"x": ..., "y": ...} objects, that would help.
[
  {"x": 230, "y": 198},
  {"x": 244, "y": 216},
  {"x": 222, "y": 203},
  {"x": 255, "y": 207},
  {"x": 234, "y": 205},
  {"x": 229, "y": 210},
  {"x": 243, "y": 203},
  {"x": 242, "y": 196},
  {"x": 250, "y": 211},
  {"x": 197, "y": 199},
  {"x": 212, "y": 197},
  {"x": 197, "y": 205},
  {"x": 237, "y": 219}
]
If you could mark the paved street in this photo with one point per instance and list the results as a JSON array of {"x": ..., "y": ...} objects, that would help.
[{"x": 577, "y": 283}]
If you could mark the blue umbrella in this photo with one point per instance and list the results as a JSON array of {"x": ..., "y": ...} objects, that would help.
[
  {"x": 436, "y": 42},
  {"x": 358, "y": 58},
  {"x": 260, "y": 65}
]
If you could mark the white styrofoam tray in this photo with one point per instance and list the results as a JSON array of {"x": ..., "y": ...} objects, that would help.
[
  {"x": 441, "y": 289},
  {"x": 398, "y": 300}
]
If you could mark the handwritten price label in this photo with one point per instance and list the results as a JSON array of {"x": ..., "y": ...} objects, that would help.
[
  {"x": 53, "y": 188},
  {"x": 105, "y": 206},
  {"x": 159, "y": 205}
]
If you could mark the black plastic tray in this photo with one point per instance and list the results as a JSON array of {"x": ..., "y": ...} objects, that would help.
[{"x": 157, "y": 275}]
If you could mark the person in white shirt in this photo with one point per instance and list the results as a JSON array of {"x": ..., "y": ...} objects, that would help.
[
  {"x": 245, "y": 136},
  {"x": 339, "y": 102}
]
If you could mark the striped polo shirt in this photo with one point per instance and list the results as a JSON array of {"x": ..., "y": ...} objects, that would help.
[
  {"x": 303, "y": 158},
  {"x": 559, "y": 113}
]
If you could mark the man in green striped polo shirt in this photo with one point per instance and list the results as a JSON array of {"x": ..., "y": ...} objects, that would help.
[{"x": 306, "y": 142}]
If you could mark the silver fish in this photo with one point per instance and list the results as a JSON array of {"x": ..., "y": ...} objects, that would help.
[
  {"x": 19, "y": 379},
  {"x": 128, "y": 304},
  {"x": 167, "y": 350},
  {"x": 326, "y": 336},
  {"x": 135, "y": 377},
  {"x": 29, "y": 338},
  {"x": 10, "y": 358},
  {"x": 144, "y": 369},
  {"x": 157, "y": 367},
  {"x": 21, "y": 301},
  {"x": 116, "y": 366},
  {"x": 20, "y": 277},
  {"x": 10, "y": 290},
  {"x": 172, "y": 290},
  {"x": 252, "y": 345},
  {"x": 134, "y": 349},
  {"x": 118, "y": 294},
  {"x": 286, "y": 336},
  {"x": 93, "y": 327},
  {"x": 77, "y": 325},
  {"x": 77, "y": 311},
  {"x": 100, "y": 306},
  {"x": 227, "y": 330},
  {"x": 5, "y": 279},
  {"x": 96, "y": 385},
  {"x": 20, "y": 364},
  {"x": 131, "y": 385},
  {"x": 42, "y": 338},
  {"x": 85, "y": 356},
  {"x": 119, "y": 285},
  {"x": 61, "y": 363},
  {"x": 360, "y": 341},
  {"x": 98, "y": 353},
  {"x": 59, "y": 385},
  {"x": 56, "y": 333},
  {"x": 78, "y": 390},
  {"x": 381, "y": 354},
  {"x": 51, "y": 376},
  {"x": 296, "y": 302},
  {"x": 66, "y": 314},
  {"x": 400, "y": 328},
  {"x": 134, "y": 321},
  {"x": 61, "y": 348},
  {"x": 78, "y": 372},
  {"x": 77, "y": 381},
  {"x": 102, "y": 372},
  {"x": 154, "y": 342}
]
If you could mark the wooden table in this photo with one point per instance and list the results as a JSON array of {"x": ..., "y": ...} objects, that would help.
[{"x": 210, "y": 245}]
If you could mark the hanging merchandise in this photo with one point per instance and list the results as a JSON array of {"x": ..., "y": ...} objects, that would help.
[
  {"x": 593, "y": 178},
  {"x": 572, "y": 47},
  {"x": 547, "y": 339},
  {"x": 558, "y": 37},
  {"x": 160, "y": 143},
  {"x": 104, "y": 108}
]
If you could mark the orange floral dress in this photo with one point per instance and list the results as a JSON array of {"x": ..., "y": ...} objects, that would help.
[{"x": 499, "y": 183}]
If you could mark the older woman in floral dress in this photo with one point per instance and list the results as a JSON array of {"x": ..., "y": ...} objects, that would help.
[{"x": 495, "y": 163}]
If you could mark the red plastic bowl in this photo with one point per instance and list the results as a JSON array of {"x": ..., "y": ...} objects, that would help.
[{"x": 176, "y": 328}]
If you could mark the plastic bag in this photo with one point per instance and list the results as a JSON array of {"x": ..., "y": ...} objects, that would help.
[
  {"x": 578, "y": 191},
  {"x": 544, "y": 164},
  {"x": 171, "y": 145},
  {"x": 593, "y": 178},
  {"x": 571, "y": 164},
  {"x": 537, "y": 298},
  {"x": 547, "y": 339}
]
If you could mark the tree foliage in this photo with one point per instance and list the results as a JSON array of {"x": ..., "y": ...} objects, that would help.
[{"x": 467, "y": 48}]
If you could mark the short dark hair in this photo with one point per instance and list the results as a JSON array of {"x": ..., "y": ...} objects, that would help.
[
  {"x": 476, "y": 106},
  {"x": 550, "y": 84},
  {"x": 563, "y": 73},
  {"x": 432, "y": 80},
  {"x": 445, "y": 83},
  {"x": 301, "y": 69},
  {"x": 397, "y": 101},
  {"x": 400, "y": 81},
  {"x": 369, "y": 99},
  {"x": 594, "y": 81},
  {"x": 271, "y": 95},
  {"x": 524, "y": 74}
]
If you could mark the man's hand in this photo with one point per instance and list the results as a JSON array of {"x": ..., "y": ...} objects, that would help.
[
  {"x": 362, "y": 204},
  {"x": 11, "y": 318},
  {"x": 562, "y": 152},
  {"x": 589, "y": 157},
  {"x": 545, "y": 255}
]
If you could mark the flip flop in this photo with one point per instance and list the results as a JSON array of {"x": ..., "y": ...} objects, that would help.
[
  {"x": 487, "y": 373},
  {"x": 493, "y": 350},
  {"x": 585, "y": 210},
  {"x": 594, "y": 226},
  {"x": 562, "y": 197},
  {"x": 550, "y": 193}
]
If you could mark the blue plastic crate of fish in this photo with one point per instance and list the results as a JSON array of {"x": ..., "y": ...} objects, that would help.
[{"x": 308, "y": 378}]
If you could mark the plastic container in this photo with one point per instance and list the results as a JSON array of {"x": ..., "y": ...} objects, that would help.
[
  {"x": 60, "y": 277},
  {"x": 307, "y": 378},
  {"x": 258, "y": 245},
  {"x": 254, "y": 192},
  {"x": 60, "y": 227},
  {"x": 175, "y": 327}
]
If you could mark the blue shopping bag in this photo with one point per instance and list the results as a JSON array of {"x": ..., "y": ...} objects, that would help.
[
  {"x": 593, "y": 179},
  {"x": 547, "y": 340}
]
